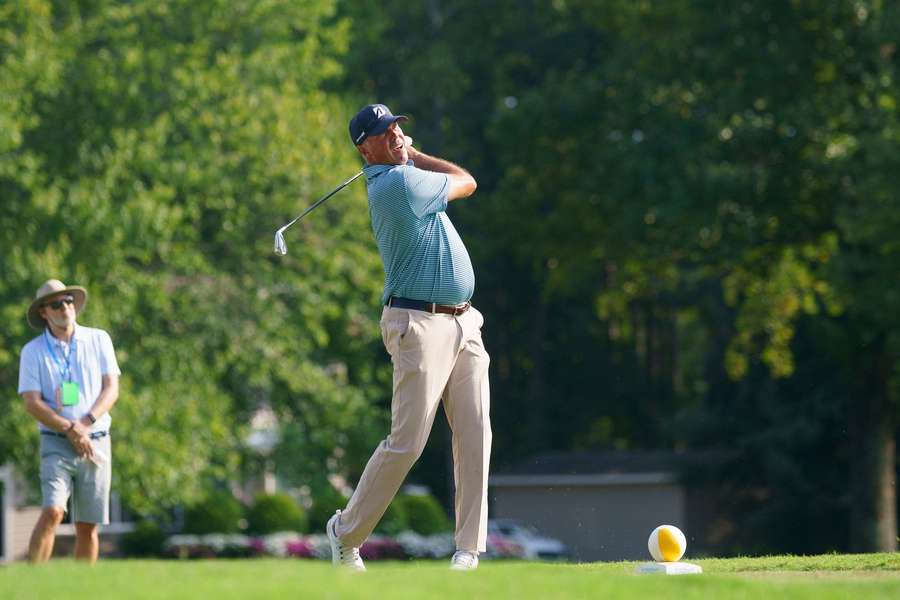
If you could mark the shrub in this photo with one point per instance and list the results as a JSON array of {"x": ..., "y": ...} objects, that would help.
[
  {"x": 147, "y": 539},
  {"x": 301, "y": 548},
  {"x": 377, "y": 547},
  {"x": 220, "y": 512},
  {"x": 326, "y": 500},
  {"x": 442, "y": 545},
  {"x": 213, "y": 545},
  {"x": 424, "y": 514},
  {"x": 381, "y": 548},
  {"x": 275, "y": 512},
  {"x": 395, "y": 518}
]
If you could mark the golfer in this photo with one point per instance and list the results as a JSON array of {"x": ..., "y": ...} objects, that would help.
[
  {"x": 431, "y": 332},
  {"x": 69, "y": 378}
]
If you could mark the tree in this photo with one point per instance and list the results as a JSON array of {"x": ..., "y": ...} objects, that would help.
[
  {"x": 674, "y": 191},
  {"x": 152, "y": 152}
]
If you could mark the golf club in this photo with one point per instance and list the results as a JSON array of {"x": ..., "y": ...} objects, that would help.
[{"x": 280, "y": 245}]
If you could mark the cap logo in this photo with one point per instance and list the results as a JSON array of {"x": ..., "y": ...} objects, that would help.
[{"x": 380, "y": 111}]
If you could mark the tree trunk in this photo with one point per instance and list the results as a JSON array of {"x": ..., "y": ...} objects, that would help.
[{"x": 873, "y": 500}]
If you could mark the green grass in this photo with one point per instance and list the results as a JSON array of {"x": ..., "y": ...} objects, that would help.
[{"x": 791, "y": 577}]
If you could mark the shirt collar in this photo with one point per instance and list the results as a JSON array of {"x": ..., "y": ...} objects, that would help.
[
  {"x": 373, "y": 171},
  {"x": 77, "y": 335}
]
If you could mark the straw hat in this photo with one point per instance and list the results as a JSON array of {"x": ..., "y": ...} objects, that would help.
[{"x": 50, "y": 288}]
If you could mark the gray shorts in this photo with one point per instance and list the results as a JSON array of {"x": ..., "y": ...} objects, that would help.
[{"x": 65, "y": 474}]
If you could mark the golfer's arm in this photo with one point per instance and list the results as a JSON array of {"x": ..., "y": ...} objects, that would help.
[
  {"x": 462, "y": 184},
  {"x": 109, "y": 393},
  {"x": 38, "y": 409}
]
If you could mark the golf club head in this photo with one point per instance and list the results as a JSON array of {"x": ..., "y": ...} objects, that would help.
[{"x": 280, "y": 245}]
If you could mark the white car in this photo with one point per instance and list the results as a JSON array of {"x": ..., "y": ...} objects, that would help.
[{"x": 534, "y": 546}]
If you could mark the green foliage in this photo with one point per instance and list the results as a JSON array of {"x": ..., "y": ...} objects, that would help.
[
  {"x": 219, "y": 512},
  {"x": 326, "y": 500},
  {"x": 19, "y": 443},
  {"x": 395, "y": 519},
  {"x": 148, "y": 151},
  {"x": 272, "y": 513},
  {"x": 771, "y": 305},
  {"x": 424, "y": 514},
  {"x": 689, "y": 206},
  {"x": 675, "y": 199},
  {"x": 147, "y": 539}
]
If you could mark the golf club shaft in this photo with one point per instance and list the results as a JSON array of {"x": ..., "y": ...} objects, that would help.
[{"x": 323, "y": 199}]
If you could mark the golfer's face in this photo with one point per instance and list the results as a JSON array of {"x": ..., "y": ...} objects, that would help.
[{"x": 389, "y": 148}]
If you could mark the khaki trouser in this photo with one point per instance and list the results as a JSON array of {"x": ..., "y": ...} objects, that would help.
[{"x": 435, "y": 356}]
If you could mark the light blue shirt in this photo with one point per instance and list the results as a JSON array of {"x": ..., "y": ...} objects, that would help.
[
  {"x": 423, "y": 256},
  {"x": 90, "y": 357}
]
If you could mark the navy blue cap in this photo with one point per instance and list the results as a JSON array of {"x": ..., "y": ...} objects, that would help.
[{"x": 373, "y": 119}]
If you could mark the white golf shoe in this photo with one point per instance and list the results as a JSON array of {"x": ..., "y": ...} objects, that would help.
[
  {"x": 341, "y": 555},
  {"x": 463, "y": 560}
]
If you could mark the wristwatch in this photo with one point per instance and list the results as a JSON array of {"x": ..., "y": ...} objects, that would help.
[{"x": 92, "y": 418}]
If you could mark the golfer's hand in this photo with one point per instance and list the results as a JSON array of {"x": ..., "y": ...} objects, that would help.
[
  {"x": 410, "y": 151},
  {"x": 79, "y": 428},
  {"x": 82, "y": 445}
]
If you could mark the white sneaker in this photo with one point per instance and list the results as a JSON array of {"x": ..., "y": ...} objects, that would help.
[
  {"x": 463, "y": 560},
  {"x": 342, "y": 555}
]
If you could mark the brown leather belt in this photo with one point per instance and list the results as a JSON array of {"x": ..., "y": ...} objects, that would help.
[{"x": 395, "y": 302}]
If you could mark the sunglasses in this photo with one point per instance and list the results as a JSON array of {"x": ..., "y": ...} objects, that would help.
[{"x": 57, "y": 304}]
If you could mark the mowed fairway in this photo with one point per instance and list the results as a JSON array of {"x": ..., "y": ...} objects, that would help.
[{"x": 818, "y": 577}]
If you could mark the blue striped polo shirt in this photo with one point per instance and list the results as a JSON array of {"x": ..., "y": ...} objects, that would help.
[{"x": 423, "y": 256}]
